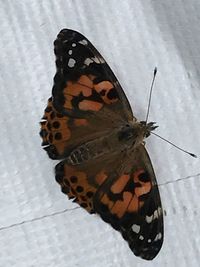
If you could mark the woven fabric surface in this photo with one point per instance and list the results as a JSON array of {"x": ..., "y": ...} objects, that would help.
[{"x": 38, "y": 225}]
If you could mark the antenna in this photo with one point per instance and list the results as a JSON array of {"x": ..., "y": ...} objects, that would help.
[
  {"x": 191, "y": 154},
  {"x": 148, "y": 109},
  {"x": 150, "y": 94}
]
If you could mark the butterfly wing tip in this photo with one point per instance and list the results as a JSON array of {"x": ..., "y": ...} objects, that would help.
[{"x": 147, "y": 254}]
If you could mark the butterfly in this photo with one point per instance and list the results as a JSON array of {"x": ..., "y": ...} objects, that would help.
[{"x": 89, "y": 126}]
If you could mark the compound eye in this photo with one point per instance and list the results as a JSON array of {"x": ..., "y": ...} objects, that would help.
[{"x": 147, "y": 134}]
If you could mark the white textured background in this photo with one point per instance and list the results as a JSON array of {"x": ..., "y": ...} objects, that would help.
[{"x": 134, "y": 36}]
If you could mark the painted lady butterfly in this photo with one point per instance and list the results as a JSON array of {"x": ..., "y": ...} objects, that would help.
[{"x": 105, "y": 168}]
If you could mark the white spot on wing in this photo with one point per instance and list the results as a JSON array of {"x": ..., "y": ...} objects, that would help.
[
  {"x": 158, "y": 237},
  {"x": 83, "y": 42},
  {"x": 157, "y": 213},
  {"x": 141, "y": 237},
  {"x": 136, "y": 228},
  {"x": 71, "y": 63},
  {"x": 88, "y": 61},
  {"x": 149, "y": 219},
  {"x": 70, "y": 52},
  {"x": 97, "y": 60},
  {"x": 74, "y": 44}
]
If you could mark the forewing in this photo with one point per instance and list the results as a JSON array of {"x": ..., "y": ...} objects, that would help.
[
  {"x": 83, "y": 76},
  {"x": 62, "y": 133},
  {"x": 87, "y": 101},
  {"x": 131, "y": 204}
]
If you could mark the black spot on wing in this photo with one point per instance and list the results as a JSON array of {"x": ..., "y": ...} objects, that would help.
[
  {"x": 112, "y": 94},
  {"x": 56, "y": 124},
  {"x": 144, "y": 177},
  {"x": 79, "y": 189},
  {"x": 58, "y": 136},
  {"x": 74, "y": 179}
]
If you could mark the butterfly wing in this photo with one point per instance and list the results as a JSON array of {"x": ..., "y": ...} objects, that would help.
[
  {"x": 124, "y": 192},
  {"x": 131, "y": 204},
  {"x": 87, "y": 101},
  {"x": 62, "y": 133},
  {"x": 81, "y": 182},
  {"x": 80, "y": 64}
]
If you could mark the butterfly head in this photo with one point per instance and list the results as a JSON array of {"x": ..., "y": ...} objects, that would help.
[
  {"x": 133, "y": 134},
  {"x": 147, "y": 128}
]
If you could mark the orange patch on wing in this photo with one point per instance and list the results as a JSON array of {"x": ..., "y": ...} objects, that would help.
[
  {"x": 81, "y": 197},
  {"x": 107, "y": 86},
  {"x": 120, "y": 184},
  {"x": 120, "y": 206},
  {"x": 145, "y": 186},
  {"x": 100, "y": 177},
  {"x": 70, "y": 171},
  {"x": 134, "y": 204},
  {"x": 68, "y": 103},
  {"x": 90, "y": 105},
  {"x": 85, "y": 80},
  {"x": 84, "y": 85},
  {"x": 60, "y": 147},
  {"x": 80, "y": 122},
  {"x": 63, "y": 129},
  {"x": 106, "y": 201}
]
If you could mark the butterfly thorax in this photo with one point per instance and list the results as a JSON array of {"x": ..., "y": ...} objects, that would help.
[{"x": 121, "y": 139}]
